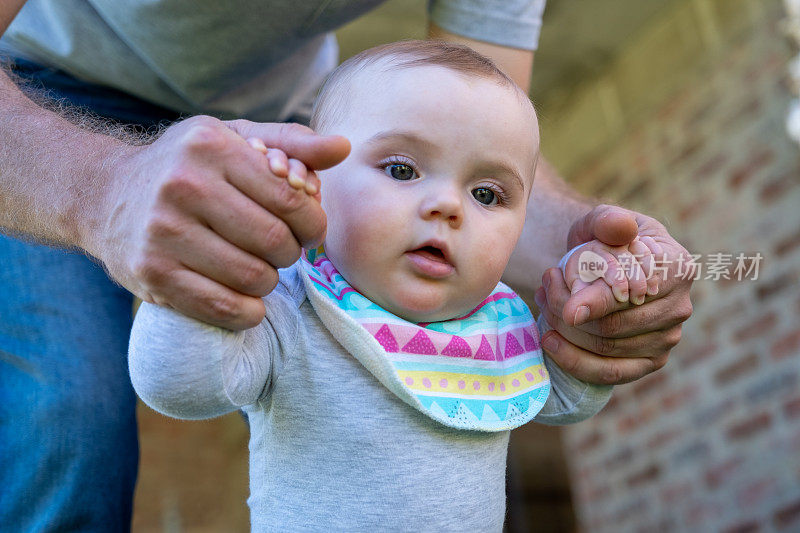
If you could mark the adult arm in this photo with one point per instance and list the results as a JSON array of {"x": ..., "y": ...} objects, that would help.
[
  {"x": 196, "y": 220},
  {"x": 618, "y": 342}
]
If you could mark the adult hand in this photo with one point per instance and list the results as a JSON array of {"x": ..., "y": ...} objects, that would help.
[
  {"x": 616, "y": 342},
  {"x": 198, "y": 220}
]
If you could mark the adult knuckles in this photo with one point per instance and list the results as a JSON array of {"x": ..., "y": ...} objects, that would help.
[
  {"x": 224, "y": 308},
  {"x": 672, "y": 337},
  {"x": 660, "y": 361},
  {"x": 230, "y": 311},
  {"x": 204, "y": 135},
  {"x": 684, "y": 311},
  {"x": 161, "y": 228},
  {"x": 610, "y": 372},
  {"x": 183, "y": 184},
  {"x": 151, "y": 271},
  {"x": 277, "y": 236},
  {"x": 255, "y": 276},
  {"x": 610, "y": 325},
  {"x": 604, "y": 345},
  {"x": 608, "y": 304},
  {"x": 568, "y": 361},
  {"x": 272, "y": 281}
]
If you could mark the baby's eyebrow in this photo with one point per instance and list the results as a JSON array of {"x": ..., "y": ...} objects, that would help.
[
  {"x": 407, "y": 136},
  {"x": 506, "y": 169}
]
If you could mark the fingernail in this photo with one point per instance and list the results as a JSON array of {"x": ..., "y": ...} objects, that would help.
[
  {"x": 581, "y": 315},
  {"x": 296, "y": 181},
  {"x": 258, "y": 144},
  {"x": 620, "y": 295},
  {"x": 652, "y": 291},
  {"x": 277, "y": 166},
  {"x": 311, "y": 188},
  {"x": 546, "y": 281},
  {"x": 550, "y": 343},
  {"x": 638, "y": 300}
]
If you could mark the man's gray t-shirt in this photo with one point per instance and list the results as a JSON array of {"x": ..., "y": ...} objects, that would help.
[
  {"x": 261, "y": 60},
  {"x": 331, "y": 448}
]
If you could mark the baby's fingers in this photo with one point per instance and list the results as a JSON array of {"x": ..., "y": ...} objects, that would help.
[
  {"x": 301, "y": 178},
  {"x": 637, "y": 281},
  {"x": 646, "y": 261},
  {"x": 655, "y": 273},
  {"x": 296, "y": 173},
  {"x": 278, "y": 162},
  {"x": 593, "y": 261}
]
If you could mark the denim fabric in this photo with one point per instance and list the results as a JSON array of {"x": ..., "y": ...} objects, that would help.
[{"x": 68, "y": 445}]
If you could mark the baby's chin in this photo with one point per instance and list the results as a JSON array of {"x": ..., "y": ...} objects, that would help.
[{"x": 426, "y": 310}]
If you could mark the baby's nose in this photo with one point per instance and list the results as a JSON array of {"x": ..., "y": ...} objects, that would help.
[{"x": 444, "y": 205}]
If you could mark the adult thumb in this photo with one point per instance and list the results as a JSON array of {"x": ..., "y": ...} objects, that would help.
[
  {"x": 609, "y": 224},
  {"x": 316, "y": 151}
]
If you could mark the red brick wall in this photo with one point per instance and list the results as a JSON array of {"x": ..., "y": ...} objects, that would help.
[{"x": 712, "y": 441}]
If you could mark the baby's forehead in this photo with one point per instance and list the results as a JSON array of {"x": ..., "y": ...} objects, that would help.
[
  {"x": 380, "y": 71},
  {"x": 373, "y": 78}
]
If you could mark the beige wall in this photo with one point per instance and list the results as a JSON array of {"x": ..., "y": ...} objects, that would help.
[{"x": 688, "y": 125}]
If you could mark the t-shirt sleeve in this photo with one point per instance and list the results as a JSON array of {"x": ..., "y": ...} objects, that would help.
[
  {"x": 513, "y": 23},
  {"x": 188, "y": 369},
  {"x": 571, "y": 400}
]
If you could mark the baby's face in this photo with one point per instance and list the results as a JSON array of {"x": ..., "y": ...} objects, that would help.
[{"x": 427, "y": 208}]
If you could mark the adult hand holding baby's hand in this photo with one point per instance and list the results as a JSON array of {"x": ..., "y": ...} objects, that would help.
[
  {"x": 199, "y": 221},
  {"x": 616, "y": 342}
]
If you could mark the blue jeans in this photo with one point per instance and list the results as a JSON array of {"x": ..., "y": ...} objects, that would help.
[{"x": 68, "y": 445}]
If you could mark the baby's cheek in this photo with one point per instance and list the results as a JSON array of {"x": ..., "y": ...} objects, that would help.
[
  {"x": 357, "y": 238},
  {"x": 376, "y": 220},
  {"x": 493, "y": 262}
]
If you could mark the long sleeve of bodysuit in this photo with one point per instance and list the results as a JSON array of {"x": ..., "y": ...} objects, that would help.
[{"x": 185, "y": 368}]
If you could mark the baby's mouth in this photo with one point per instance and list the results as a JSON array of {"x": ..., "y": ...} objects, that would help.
[
  {"x": 432, "y": 253},
  {"x": 431, "y": 261}
]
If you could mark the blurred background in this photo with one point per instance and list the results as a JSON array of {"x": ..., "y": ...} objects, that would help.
[{"x": 676, "y": 108}]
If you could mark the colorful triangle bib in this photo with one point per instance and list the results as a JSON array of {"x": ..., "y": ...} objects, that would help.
[{"x": 483, "y": 371}]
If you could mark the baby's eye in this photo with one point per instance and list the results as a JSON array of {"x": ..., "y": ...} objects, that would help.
[
  {"x": 485, "y": 196},
  {"x": 401, "y": 172}
]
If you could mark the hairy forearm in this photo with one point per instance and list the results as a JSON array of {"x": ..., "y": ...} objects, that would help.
[
  {"x": 54, "y": 170},
  {"x": 552, "y": 209}
]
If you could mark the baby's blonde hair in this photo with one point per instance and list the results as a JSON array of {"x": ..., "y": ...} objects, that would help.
[{"x": 330, "y": 103}]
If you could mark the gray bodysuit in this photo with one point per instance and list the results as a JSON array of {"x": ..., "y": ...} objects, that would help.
[{"x": 330, "y": 447}]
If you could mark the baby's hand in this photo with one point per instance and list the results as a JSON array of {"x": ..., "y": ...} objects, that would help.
[
  {"x": 295, "y": 172},
  {"x": 629, "y": 271}
]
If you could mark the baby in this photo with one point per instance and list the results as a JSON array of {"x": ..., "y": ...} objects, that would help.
[{"x": 391, "y": 364}]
